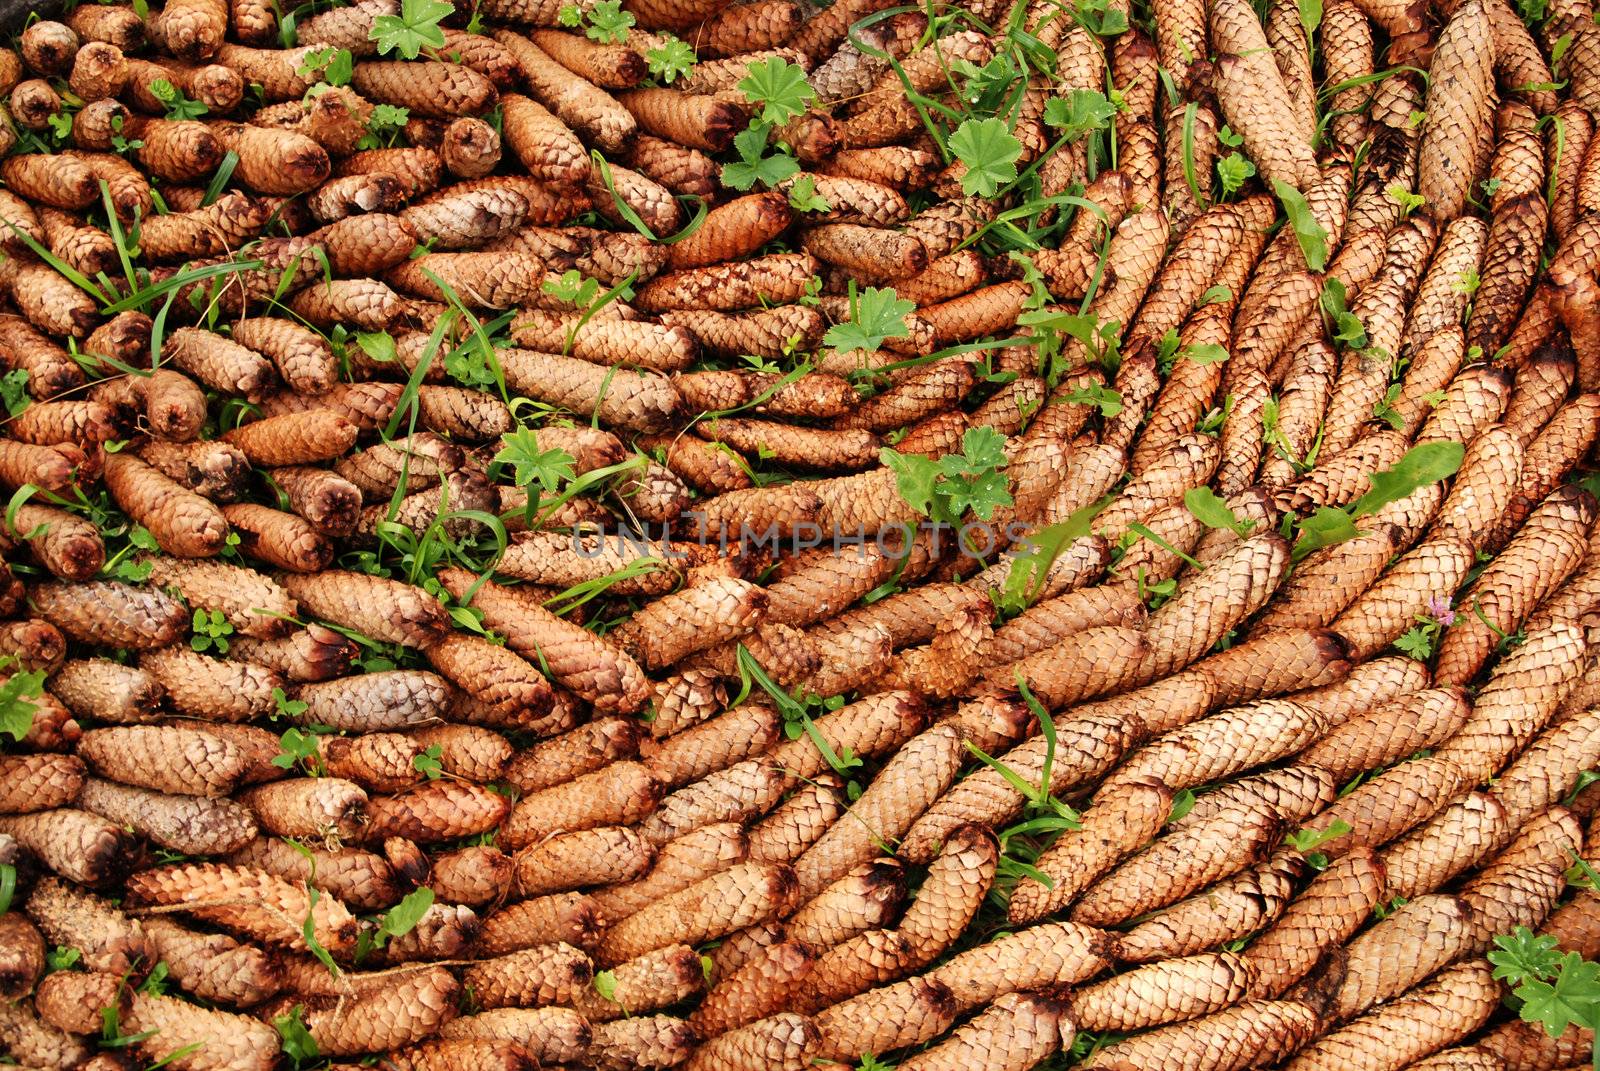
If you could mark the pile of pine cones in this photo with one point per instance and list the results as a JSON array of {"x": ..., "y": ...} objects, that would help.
[{"x": 346, "y": 348}]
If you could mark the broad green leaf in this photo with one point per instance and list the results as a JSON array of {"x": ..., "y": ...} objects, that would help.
[
  {"x": 1305, "y": 840},
  {"x": 415, "y": 28},
  {"x": 16, "y": 708},
  {"x": 297, "y": 1042},
  {"x": 876, "y": 315},
  {"x": 1233, "y": 171},
  {"x": 1310, "y": 17},
  {"x": 752, "y": 166},
  {"x": 403, "y": 917},
  {"x": 1211, "y": 511},
  {"x": 915, "y": 477},
  {"x": 1421, "y": 466},
  {"x": 671, "y": 60},
  {"x": 779, "y": 87},
  {"x": 549, "y": 469},
  {"x": 1206, "y": 353},
  {"x": 1523, "y": 955},
  {"x": 608, "y": 23},
  {"x": 1313, "y": 238},
  {"x": 1030, "y": 568},
  {"x": 1324, "y": 528},
  {"x": 989, "y": 152},
  {"x": 605, "y": 983},
  {"x": 1081, "y": 112},
  {"x": 1573, "y": 997}
]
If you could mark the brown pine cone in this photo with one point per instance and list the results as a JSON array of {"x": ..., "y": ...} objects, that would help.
[
  {"x": 248, "y": 900},
  {"x": 1038, "y": 957},
  {"x": 1181, "y": 863},
  {"x": 175, "y": 1026},
  {"x": 1370, "y": 684},
  {"x": 1388, "y": 733},
  {"x": 39, "y": 782},
  {"x": 361, "y": 879},
  {"x": 755, "y": 990},
  {"x": 1163, "y": 993},
  {"x": 190, "y": 825},
  {"x": 782, "y": 1042},
  {"x": 466, "y": 751},
  {"x": 436, "y": 811},
  {"x": 383, "y": 609},
  {"x": 1466, "y": 1058},
  {"x": 1122, "y": 820},
  {"x": 645, "y": 1041},
  {"x": 165, "y": 758},
  {"x": 849, "y": 969},
  {"x": 327, "y": 501},
  {"x": 387, "y": 700},
  {"x": 533, "y": 977},
  {"x": 618, "y": 794},
  {"x": 1455, "y": 839},
  {"x": 1385, "y": 610},
  {"x": 908, "y": 784},
  {"x": 21, "y": 956},
  {"x": 1535, "y": 778},
  {"x": 1421, "y": 936},
  {"x": 34, "y": 644},
  {"x": 68, "y": 546},
  {"x": 312, "y": 808},
  {"x": 562, "y": 561},
  {"x": 581, "y": 751},
  {"x": 1232, "y": 908},
  {"x": 1440, "y": 1012},
  {"x": 51, "y": 468},
  {"x": 1514, "y": 704},
  {"x": 1393, "y": 802},
  {"x": 1095, "y": 743},
  {"x": 863, "y": 899},
  {"x": 587, "y": 857},
  {"x": 1328, "y": 580},
  {"x": 1014, "y": 1033},
  {"x": 213, "y": 967},
  {"x": 59, "y": 181},
  {"x": 591, "y": 667},
  {"x": 50, "y": 370},
  {"x": 1254, "y": 1032},
  {"x": 730, "y": 231},
  {"x": 678, "y": 865},
  {"x": 74, "y": 1000},
  {"x": 553, "y": 1035},
  {"x": 1548, "y": 547},
  {"x": 1091, "y": 663},
  {"x": 313, "y": 653},
  {"x": 384, "y": 1017},
  {"x": 295, "y": 438},
  {"x": 474, "y": 875},
  {"x": 506, "y": 690},
  {"x": 891, "y": 1017},
  {"x": 109, "y": 940},
  {"x": 211, "y": 469},
  {"x": 950, "y": 896},
  {"x": 700, "y": 616},
  {"x": 184, "y": 524},
  {"x": 1324, "y": 915},
  {"x": 378, "y": 762},
  {"x": 744, "y": 895},
  {"x": 252, "y": 603},
  {"x": 1225, "y": 743}
]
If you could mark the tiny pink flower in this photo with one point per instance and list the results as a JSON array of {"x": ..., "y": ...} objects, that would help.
[{"x": 1439, "y": 608}]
